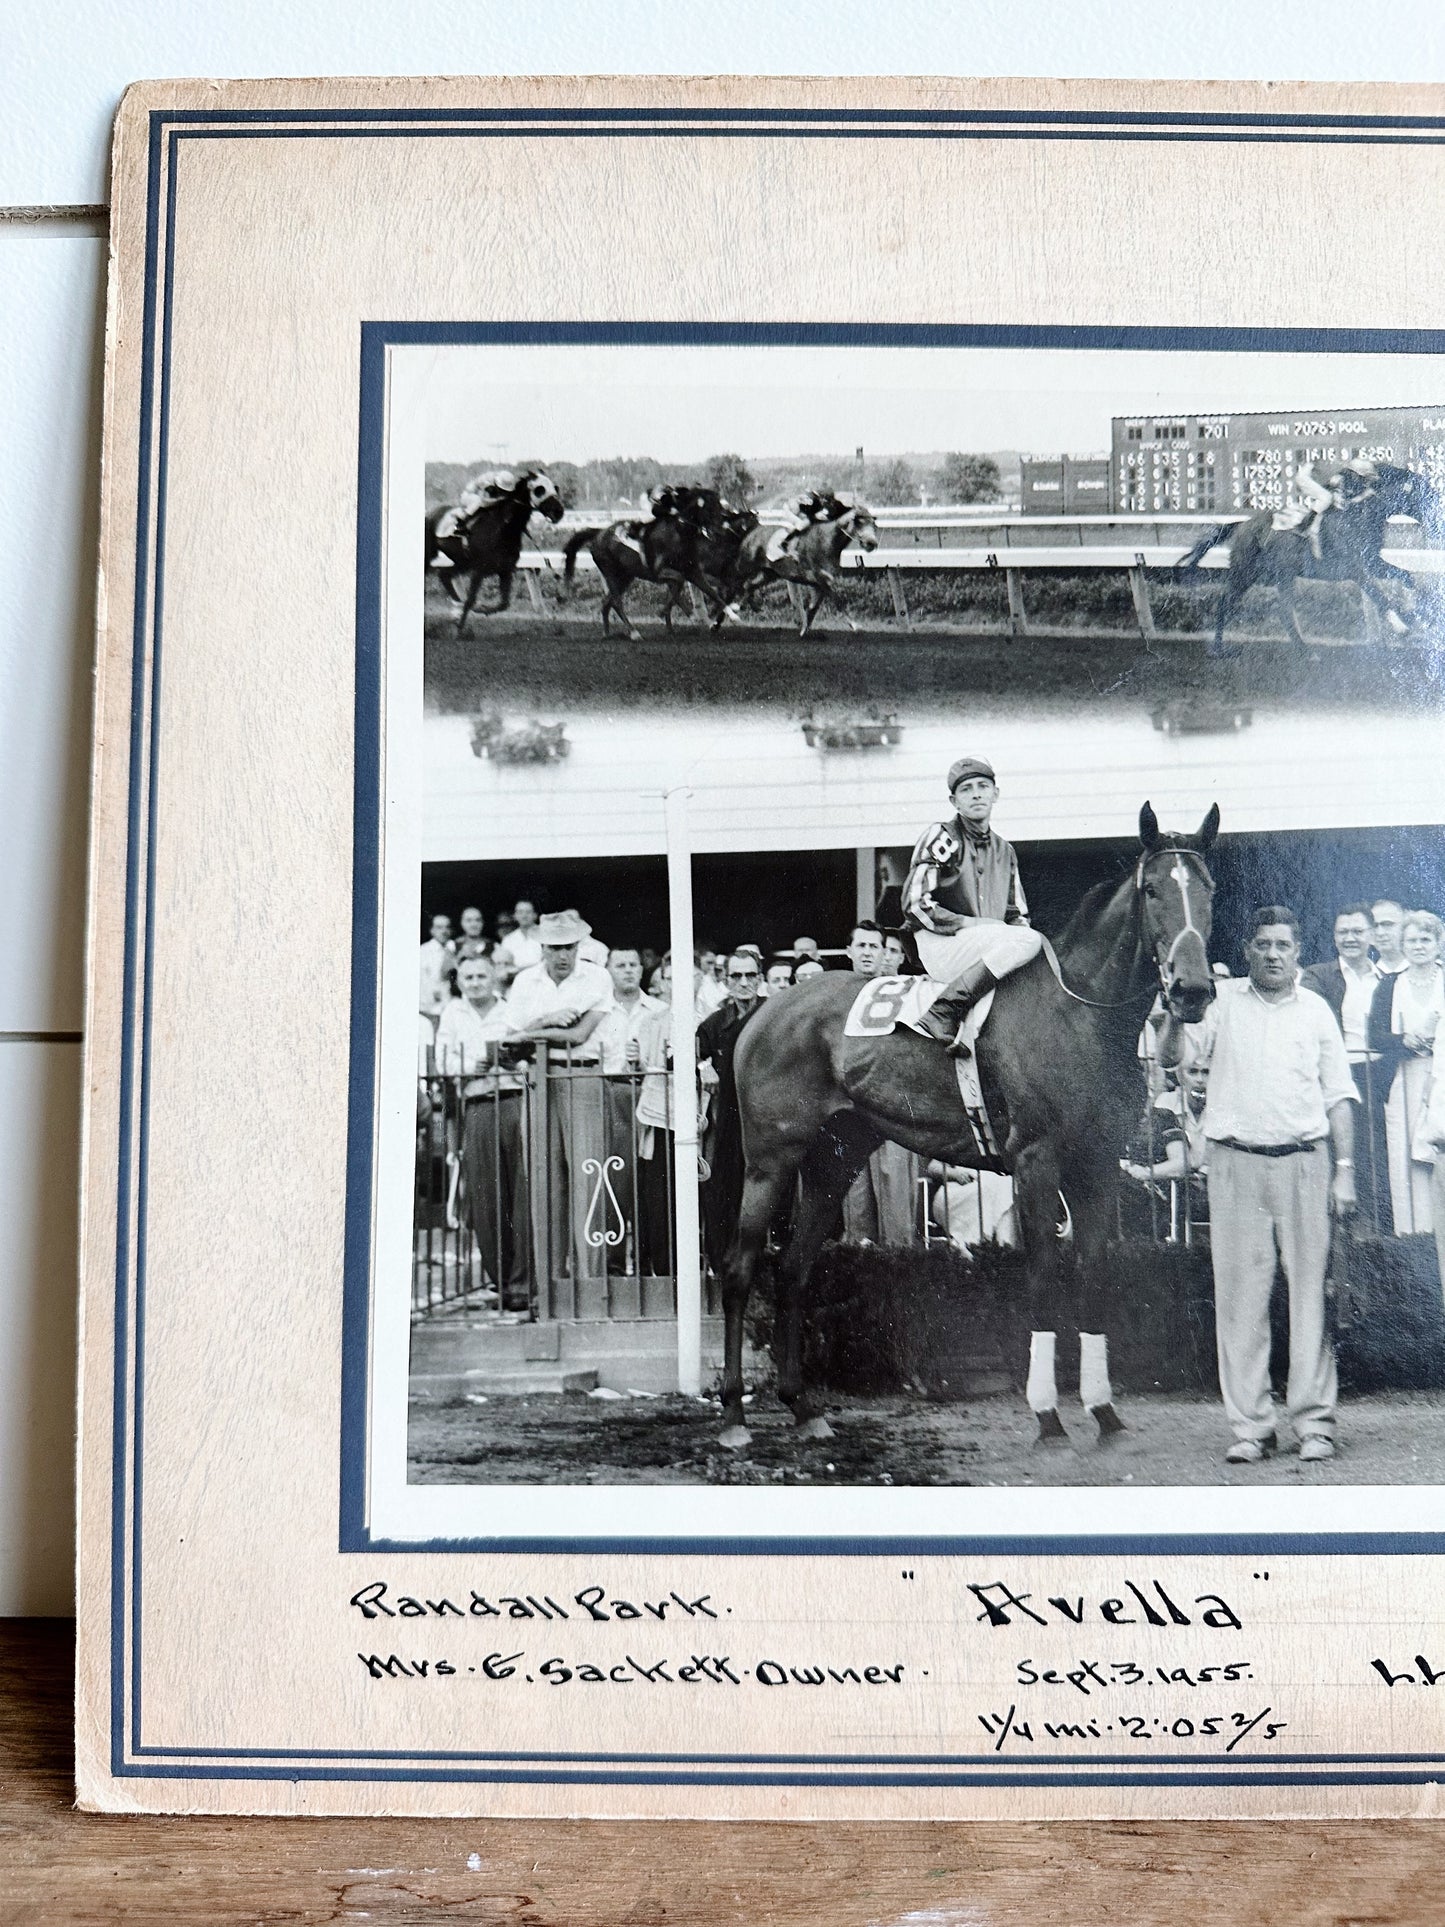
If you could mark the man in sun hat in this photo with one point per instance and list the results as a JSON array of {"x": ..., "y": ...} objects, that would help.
[
  {"x": 964, "y": 901},
  {"x": 560, "y": 1002}
]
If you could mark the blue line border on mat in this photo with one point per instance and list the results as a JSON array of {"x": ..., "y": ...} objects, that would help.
[{"x": 167, "y": 130}]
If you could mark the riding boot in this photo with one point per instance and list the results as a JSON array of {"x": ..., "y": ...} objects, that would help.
[{"x": 944, "y": 1019}]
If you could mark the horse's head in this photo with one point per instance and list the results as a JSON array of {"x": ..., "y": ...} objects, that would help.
[
  {"x": 1176, "y": 895},
  {"x": 857, "y": 524},
  {"x": 1416, "y": 495},
  {"x": 542, "y": 496}
]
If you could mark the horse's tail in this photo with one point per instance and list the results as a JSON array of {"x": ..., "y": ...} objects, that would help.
[
  {"x": 572, "y": 548},
  {"x": 1210, "y": 539}
]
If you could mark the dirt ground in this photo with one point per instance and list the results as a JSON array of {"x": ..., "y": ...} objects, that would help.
[
  {"x": 522, "y": 658},
  {"x": 1174, "y": 1439}
]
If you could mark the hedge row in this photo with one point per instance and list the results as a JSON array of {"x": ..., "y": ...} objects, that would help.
[{"x": 886, "y": 1319}]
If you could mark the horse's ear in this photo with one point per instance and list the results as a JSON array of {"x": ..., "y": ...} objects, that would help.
[
  {"x": 1208, "y": 829},
  {"x": 1148, "y": 827}
]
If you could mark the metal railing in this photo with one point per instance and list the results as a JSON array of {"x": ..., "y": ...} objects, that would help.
[{"x": 541, "y": 1193}]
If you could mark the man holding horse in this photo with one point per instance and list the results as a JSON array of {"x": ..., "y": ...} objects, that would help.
[
  {"x": 1280, "y": 1129},
  {"x": 965, "y": 903}
]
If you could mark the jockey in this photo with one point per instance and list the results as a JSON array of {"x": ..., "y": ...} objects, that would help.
[
  {"x": 817, "y": 505},
  {"x": 481, "y": 492},
  {"x": 965, "y": 903},
  {"x": 1346, "y": 484}
]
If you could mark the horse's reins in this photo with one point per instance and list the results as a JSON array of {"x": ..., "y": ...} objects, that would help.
[{"x": 1160, "y": 965}]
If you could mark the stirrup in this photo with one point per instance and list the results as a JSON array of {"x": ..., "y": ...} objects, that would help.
[{"x": 960, "y": 1047}]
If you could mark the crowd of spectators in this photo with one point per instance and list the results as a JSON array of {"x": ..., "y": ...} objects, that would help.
[
  {"x": 487, "y": 995},
  {"x": 1385, "y": 986}
]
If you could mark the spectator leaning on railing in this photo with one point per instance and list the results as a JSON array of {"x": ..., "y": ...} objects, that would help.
[
  {"x": 561, "y": 1002},
  {"x": 471, "y": 1034}
]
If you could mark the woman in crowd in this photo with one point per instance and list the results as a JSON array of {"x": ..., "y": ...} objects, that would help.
[{"x": 1404, "y": 1018}]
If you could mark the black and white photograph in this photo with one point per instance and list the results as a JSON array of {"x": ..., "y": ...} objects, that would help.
[{"x": 928, "y": 874}]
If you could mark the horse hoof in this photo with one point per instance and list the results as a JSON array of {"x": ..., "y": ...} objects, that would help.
[
  {"x": 1108, "y": 1421},
  {"x": 814, "y": 1428},
  {"x": 735, "y": 1438},
  {"x": 1051, "y": 1429}
]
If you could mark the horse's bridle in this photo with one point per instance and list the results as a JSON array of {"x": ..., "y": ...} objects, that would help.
[{"x": 1161, "y": 964}]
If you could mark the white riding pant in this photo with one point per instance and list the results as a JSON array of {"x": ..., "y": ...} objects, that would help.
[{"x": 1001, "y": 947}]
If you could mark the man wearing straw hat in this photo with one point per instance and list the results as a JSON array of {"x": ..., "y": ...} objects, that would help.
[{"x": 560, "y": 1002}]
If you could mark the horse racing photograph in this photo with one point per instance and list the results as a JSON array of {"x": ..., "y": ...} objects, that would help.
[{"x": 928, "y": 870}]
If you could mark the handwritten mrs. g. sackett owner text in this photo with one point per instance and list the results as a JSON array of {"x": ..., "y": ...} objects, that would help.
[{"x": 594, "y": 1606}]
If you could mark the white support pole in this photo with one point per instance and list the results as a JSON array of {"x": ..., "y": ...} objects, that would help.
[{"x": 687, "y": 1255}]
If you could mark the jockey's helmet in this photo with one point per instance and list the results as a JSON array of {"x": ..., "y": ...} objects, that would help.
[{"x": 967, "y": 766}]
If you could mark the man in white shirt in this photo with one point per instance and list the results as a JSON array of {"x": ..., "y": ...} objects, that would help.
[
  {"x": 1347, "y": 984},
  {"x": 521, "y": 948},
  {"x": 1280, "y": 1128},
  {"x": 438, "y": 955},
  {"x": 618, "y": 1037},
  {"x": 561, "y": 1002},
  {"x": 493, "y": 1150}
]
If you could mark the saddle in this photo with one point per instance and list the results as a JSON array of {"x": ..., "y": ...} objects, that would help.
[
  {"x": 885, "y": 1003},
  {"x": 779, "y": 542}
]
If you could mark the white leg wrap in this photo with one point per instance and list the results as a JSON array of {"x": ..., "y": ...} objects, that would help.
[
  {"x": 1094, "y": 1387},
  {"x": 1042, "y": 1390}
]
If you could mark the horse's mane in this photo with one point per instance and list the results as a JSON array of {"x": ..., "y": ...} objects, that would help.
[{"x": 1085, "y": 914}]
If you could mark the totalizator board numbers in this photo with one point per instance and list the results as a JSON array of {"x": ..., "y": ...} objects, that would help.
[{"x": 1179, "y": 464}]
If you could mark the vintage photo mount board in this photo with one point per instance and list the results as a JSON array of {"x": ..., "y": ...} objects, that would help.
[{"x": 237, "y": 1649}]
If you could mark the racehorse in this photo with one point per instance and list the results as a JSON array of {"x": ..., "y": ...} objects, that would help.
[
  {"x": 665, "y": 550},
  {"x": 1061, "y": 1082},
  {"x": 807, "y": 556},
  {"x": 1261, "y": 555},
  {"x": 489, "y": 540},
  {"x": 718, "y": 549}
]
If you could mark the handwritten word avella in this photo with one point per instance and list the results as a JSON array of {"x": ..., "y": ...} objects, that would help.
[{"x": 1002, "y": 1606}]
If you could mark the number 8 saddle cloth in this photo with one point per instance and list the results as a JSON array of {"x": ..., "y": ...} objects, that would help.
[{"x": 885, "y": 1003}]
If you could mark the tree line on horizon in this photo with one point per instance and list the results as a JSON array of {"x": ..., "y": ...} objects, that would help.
[{"x": 894, "y": 482}]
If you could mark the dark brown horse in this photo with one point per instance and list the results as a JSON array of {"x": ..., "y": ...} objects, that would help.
[
  {"x": 489, "y": 540},
  {"x": 1351, "y": 538},
  {"x": 1061, "y": 1080},
  {"x": 806, "y": 557},
  {"x": 665, "y": 549}
]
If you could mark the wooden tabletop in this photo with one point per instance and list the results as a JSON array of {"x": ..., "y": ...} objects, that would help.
[{"x": 57, "y": 1865}]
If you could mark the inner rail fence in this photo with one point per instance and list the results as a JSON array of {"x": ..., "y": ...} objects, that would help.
[
  {"x": 544, "y": 1191},
  {"x": 915, "y": 542}
]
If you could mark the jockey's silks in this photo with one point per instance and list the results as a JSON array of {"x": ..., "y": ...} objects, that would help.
[{"x": 972, "y": 876}]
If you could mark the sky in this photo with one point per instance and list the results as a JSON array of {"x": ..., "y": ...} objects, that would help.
[{"x": 506, "y": 403}]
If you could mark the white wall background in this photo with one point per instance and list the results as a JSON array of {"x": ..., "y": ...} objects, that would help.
[{"x": 61, "y": 73}]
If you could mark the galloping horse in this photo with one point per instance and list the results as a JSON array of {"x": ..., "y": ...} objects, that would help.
[
  {"x": 489, "y": 540},
  {"x": 1261, "y": 555},
  {"x": 806, "y": 556},
  {"x": 1061, "y": 1081},
  {"x": 665, "y": 550}
]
